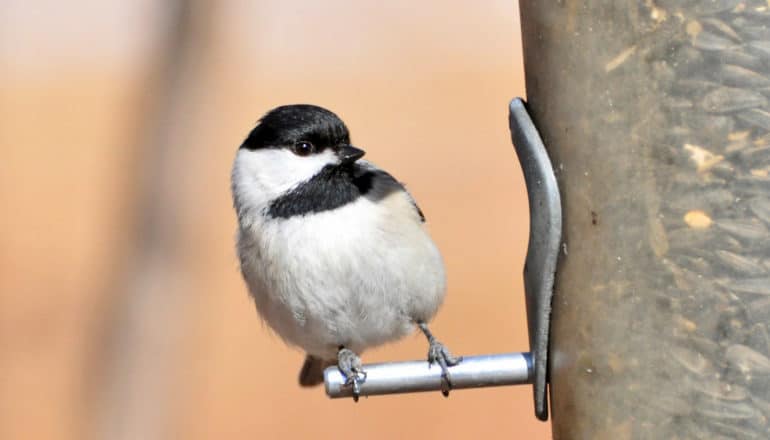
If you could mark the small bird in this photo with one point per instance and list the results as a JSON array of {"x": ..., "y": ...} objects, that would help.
[{"x": 333, "y": 249}]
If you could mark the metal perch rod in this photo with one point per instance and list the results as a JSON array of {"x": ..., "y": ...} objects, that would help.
[{"x": 415, "y": 376}]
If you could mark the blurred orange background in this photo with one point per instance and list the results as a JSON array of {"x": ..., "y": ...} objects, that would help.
[{"x": 122, "y": 310}]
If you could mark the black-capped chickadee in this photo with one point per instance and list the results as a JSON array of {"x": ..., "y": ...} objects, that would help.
[{"x": 333, "y": 249}]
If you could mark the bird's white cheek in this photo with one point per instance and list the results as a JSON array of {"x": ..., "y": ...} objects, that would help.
[
  {"x": 262, "y": 175},
  {"x": 287, "y": 169}
]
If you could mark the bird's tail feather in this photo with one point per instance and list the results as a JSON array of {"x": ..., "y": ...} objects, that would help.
[{"x": 312, "y": 372}]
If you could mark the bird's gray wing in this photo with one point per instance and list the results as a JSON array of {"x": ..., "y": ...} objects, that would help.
[{"x": 376, "y": 184}]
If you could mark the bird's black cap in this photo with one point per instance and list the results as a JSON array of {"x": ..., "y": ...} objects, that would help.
[{"x": 288, "y": 124}]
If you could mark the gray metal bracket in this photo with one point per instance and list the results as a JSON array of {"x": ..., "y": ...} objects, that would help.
[
  {"x": 539, "y": 271},
  {"x": 544, "y": 242}
]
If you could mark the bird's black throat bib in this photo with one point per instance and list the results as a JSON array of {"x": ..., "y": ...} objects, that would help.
[{"x": 333, "y": 187}]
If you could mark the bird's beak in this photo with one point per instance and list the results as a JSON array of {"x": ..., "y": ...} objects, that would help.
[{"x": 349, "y": 154}]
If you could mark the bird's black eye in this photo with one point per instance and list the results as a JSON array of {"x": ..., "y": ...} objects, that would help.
[{"x": 303, "y": 148}]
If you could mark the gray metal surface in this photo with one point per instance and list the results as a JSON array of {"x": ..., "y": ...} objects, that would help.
[
  {"x": 415, "y": 376},
  {"x": 544, "y": 241}
]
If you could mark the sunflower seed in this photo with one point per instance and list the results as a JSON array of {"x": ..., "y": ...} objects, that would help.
[
  {"x": 757, "y": 286},
  {"x": 721, "y": 390},
  {"x": 752, "y": 32},
  {"x": 733, "y": 431},
  {"x": 755, "y": 156},
  {"x": 730, "y": 99},
  {"x": 692, "y": 361},
  {"x": 738, "y": 76},
  {"x": 707, "y": 127},
  {"x": 759, "y": 310},
  {"x": 756, "y": 117},
  {"x": 760, "y": 206},
  {"x": 761, "y": 14},
  {"x": 725, "y": 410},
  {"x": 712, "y": 7},
  {"x": 709, "y": 41},
  {"x": 687, "y": 61},
  {"x": 761, "y": 404},
  {"x": 693, "y": 86},
  {"x": 734, "y": 149},
  {"x": 739, "y": 263},
  {"x": 705, "y": 346},
  {"x": 758, "y": 338},
  {"x": 747, "y": 360},
  {"x": 723, "y": 170},
  {"x": 754, "y": 185},
  {"x": 683, "y": 278},
  {"x": 760, "y": 49},
  {"x": 695, "y": 264},
  {"x": 762, "y": 140},
  {"x": 721, "y": 27},
  {"x": 743, "y": 229},
  {"x": 739, "y": 57}
]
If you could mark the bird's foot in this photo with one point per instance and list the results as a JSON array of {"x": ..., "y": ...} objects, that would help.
[
  {"x": 438, "y": 353},
  {"x": 350, "y": 366}
]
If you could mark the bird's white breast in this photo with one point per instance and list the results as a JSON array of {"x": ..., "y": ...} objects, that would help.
[{"x": 358, "y": 276}]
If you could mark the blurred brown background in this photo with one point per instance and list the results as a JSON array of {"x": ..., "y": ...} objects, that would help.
[{"x": 122, "y": 311}]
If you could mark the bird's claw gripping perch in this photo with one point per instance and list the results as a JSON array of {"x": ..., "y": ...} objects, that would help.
[
  {"x": 350, "y": 366},
  {"x": 439, "y": 354},
  {"x": 355, "y": 379}
]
